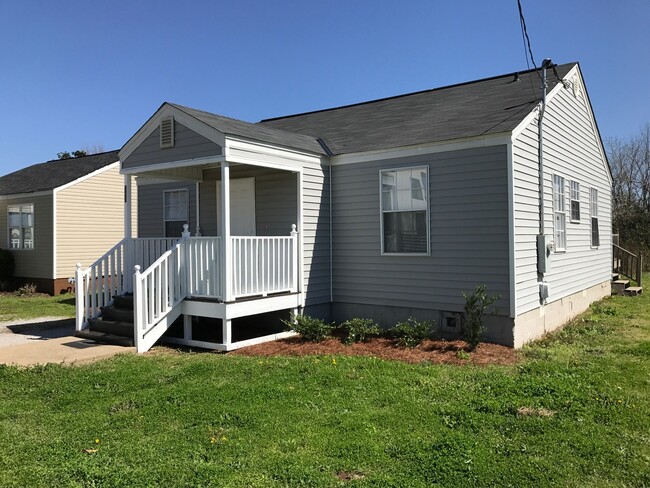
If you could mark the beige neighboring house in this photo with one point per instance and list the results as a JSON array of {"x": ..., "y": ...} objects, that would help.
[{"x": 60, "y": 213}]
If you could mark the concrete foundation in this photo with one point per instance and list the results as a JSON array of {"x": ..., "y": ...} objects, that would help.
[{"x": 546, "y": 318}]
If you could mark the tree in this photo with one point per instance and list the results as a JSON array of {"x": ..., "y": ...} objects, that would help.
[
  {"x": 630, "y": 164},
  {"x": 75, "y": 154}
]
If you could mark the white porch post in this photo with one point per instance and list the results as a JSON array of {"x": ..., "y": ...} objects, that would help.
[
  {"x": 226, "y": 261},
  {"x": 127, "y": 206},
  {"x": 128, "y": 258},
  {"x": 301, "y": 246}
]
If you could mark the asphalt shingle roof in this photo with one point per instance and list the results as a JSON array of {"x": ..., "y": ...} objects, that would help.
[
  {"x": 476, "y": 108},
  {"x": 258, "y": 132},
  {"x": 52, "y": 174}
]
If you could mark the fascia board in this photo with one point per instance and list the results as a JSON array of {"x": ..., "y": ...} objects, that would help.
[{"x": 501, "y": 138}]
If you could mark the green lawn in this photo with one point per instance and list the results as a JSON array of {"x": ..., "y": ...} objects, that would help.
[
  {"x": 30, "y": 307},
  {"x": 198, "y": 419}
]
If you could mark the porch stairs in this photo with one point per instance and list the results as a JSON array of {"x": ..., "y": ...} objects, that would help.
[
  {"x": 115, "y": 325},
  {"x": 626, "y": 266}
]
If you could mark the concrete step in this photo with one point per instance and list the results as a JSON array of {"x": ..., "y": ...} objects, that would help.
[
  {"x": 633, "y": 291},
  {"x": 117, "y": 314},
  {"x": 123, "y": 329},
  {"x": 105, "y": 338},
  {"x": 124, "y": 302},
  {"x": 619, "y": 286},
  {"x": 615, "y": 276}
]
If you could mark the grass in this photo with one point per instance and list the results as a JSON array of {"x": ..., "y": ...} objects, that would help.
[
  {"x": 574, "y": 412},
  {"x": 14, "y": 307}
]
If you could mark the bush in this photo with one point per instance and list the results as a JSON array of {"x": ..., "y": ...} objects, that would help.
[
  {"x": 359, "y": 330},
  {"x": 412, "y": 332},
  {"x": 311, "y": 329},
  {"x": 26, "y": 290},
  {"x": 6, "y": 268},
  {"x": 476, "y": 304}
]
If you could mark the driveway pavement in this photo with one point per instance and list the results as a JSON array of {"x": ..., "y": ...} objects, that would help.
[{"x": 49, "y": 340}]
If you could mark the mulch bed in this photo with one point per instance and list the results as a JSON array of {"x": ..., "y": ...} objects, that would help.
[{"x": 436, "y": 352}]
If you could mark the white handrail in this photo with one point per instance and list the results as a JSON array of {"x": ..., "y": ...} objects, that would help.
[
  {"x": 110, "y": 275},
  {"x": 98, "y": 284},
  {"x": 156, "y": 292}
]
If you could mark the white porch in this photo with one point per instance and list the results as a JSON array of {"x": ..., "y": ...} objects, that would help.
[{"x": 224, "y": 277}]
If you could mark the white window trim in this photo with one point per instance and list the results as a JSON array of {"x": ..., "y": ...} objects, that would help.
[
  {"x": 559, "y": 249},
  {"x": 164, "y": 219},
  {"x": 428, "y": 212},
  {"x": 21, "y": 248},
  {"x": 571, "y": 200},
  {"x": 592, "y": 216}
]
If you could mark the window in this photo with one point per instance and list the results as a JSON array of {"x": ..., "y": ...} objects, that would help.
[
  {"x": 405, "y": 210},
  {"x": 575, "y": 201},
  {"x": 593, "y": 211},
  {"x": 175, "y": 213},
  {"x": 20, "y": 220},
  {"x": 559, "y": 213}
]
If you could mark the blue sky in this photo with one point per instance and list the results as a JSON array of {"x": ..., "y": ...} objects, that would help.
[{"x": 85, "y": 73}]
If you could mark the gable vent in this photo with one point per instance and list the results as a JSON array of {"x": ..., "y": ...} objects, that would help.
[{"x": 167, "y": 132}]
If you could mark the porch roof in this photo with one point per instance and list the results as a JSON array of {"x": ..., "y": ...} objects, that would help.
[{"x": 234, "y": 127}]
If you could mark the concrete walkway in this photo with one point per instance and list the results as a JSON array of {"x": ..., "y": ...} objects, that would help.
[{"x": 53, "y": 341}]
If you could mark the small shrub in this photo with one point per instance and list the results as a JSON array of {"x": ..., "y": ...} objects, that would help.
[
  {"x": 463, "y": 355},
  {"x": 26, "y": 290},
  {"x": 412, "y": 332},
  {"x": 6, "y": 268},
  {"x": 476, "y": 304},
  {"x": 359, "y": 330},
  {"x": 599, "y": 309},
  {"x": 311, "y": 329}
]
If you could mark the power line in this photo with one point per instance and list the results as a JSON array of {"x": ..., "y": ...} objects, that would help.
[{"x": 527, "y": 48}]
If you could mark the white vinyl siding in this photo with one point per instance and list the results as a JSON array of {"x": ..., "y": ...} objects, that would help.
[
  {"x": 559, "y": 213},
  {"x": 175, "y": 211},
  {"x": 20, "y": 223},
  {"x": 404, "y": 210},
  {"x": 571, "y": 147},
  {"x": 593, "y": 211},
  {"x": 575, "y": 201}
]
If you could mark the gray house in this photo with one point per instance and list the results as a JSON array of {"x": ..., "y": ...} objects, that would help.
[{"x": 384, "y": 209}]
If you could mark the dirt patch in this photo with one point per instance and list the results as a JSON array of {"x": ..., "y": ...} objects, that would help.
[
  {"x": 534, "y": 412},
  {"x": 436, "y": 352}
]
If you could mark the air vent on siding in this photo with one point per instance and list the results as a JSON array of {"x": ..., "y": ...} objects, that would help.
[{"x": 167, "y": 132}]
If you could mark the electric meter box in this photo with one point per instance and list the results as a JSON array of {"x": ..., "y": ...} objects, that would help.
[{"x": 545, "y": 245}]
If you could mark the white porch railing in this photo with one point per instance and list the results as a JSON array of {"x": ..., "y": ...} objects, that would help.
[
  {"x": 169, "y": 270},
  {"x": 263, "y": 265},
  {"x": 203, "y": 267},
  {"x": 111, "y": 274}
]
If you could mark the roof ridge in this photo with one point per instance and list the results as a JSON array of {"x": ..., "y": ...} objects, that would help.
[{"x": 393, "y": 97}]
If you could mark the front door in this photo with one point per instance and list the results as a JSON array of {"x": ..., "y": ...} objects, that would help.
[{"x": 242, "y": 206}]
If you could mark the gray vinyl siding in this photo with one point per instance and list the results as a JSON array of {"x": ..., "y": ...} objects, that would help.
[
  {"x": 316, "y": 233},
  {"x": 468, "y": 233},
  {"x": 276, "y": 206},
  {"x": 276, "y": 199},
  {"x": 187, "y": 145},
  {"x": 37, "y": 262},
  {"x": 572, "y": 150},
  {"x": 151, "y": 221}
]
